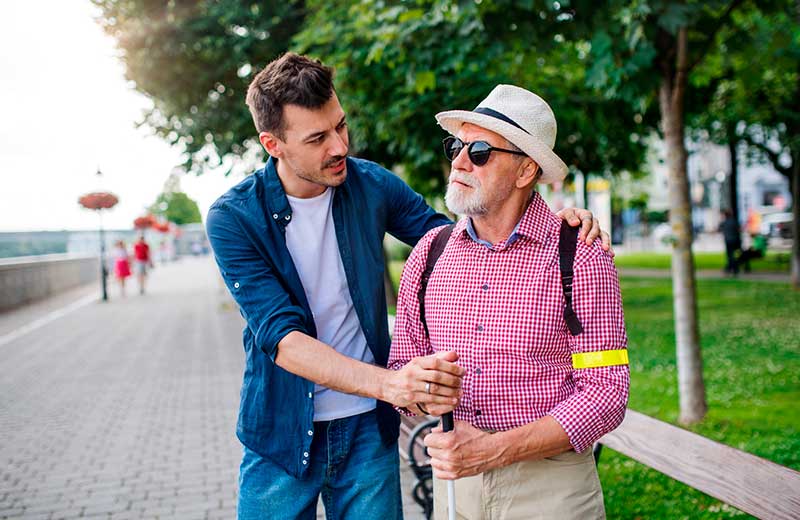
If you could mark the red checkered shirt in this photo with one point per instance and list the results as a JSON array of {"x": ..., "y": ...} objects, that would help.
[{"x": 501, "y": 309}]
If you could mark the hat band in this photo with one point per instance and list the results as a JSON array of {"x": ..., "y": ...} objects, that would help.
[{"x": 497, "y": 115}]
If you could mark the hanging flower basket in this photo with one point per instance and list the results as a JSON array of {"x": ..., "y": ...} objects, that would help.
[
  {"x": 161, "y": 227},
  {"x": 98, "y": 200},
  {"x": 144, "y": 222}
]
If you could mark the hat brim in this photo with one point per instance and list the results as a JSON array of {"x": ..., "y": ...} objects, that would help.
[{"x": 553, "y": 168}]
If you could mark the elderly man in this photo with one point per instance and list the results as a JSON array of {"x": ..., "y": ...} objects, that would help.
[{"x": 545, "y": 375}]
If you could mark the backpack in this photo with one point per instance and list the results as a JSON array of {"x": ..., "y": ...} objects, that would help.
[{"x": 567, "y": 244}]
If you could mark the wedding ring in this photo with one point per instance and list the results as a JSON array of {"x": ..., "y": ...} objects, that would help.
[{"x": 427, "y": 387}]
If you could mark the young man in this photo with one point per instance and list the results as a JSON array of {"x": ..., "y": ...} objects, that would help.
[
  {"x": 533, "y": 401},
  {"x": 142, "y": 261},
  {"x": 299, "y": 245}
]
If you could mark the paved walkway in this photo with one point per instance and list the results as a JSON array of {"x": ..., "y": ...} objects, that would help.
[
  {"x": 125, "y": 409},
  {"x": 706, "y": 274}
]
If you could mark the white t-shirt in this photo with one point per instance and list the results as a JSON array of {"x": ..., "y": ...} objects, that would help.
[{"x": 311, "y": 240}]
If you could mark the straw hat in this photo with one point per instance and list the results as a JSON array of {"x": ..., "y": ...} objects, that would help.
[{"x": 520, "y": 116}]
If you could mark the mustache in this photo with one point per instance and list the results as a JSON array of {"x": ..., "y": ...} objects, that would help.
[
  {"x": 333, "y": 161},
  {"x": 464, "y": 178}
]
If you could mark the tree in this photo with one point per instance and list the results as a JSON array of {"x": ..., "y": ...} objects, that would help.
[
  {"x": 399, "y": 64},
  {"x": 771, "y": 129},
  {"x": 646, "y": 52},
  {"x": 177, "y": 208},
  {"x": 194, "y": 60},
  {"x": 754, "y": 82}
]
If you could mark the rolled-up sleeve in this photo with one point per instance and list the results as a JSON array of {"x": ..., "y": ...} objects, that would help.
[
  {"x": 409, "y": 340},
  {"x": 264, "y": 303},
  {"x": 601, "y": 394}
]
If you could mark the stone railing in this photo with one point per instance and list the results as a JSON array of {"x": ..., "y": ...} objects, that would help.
[{"x": 27, "y": 278}]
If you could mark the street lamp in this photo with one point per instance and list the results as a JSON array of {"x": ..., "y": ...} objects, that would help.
[{"x": 98, "y": 201}]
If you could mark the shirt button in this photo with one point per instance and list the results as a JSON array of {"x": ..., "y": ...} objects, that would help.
[
  {"x": 478, "y": 370},
  {"x": 485, "y": 287},
  {"x": 310, "y": 395},
  {"x": 305, "y": 454},
  {"x": 275, "y": 216},
  {"x": 305, "y": 463},
  {"x": 288, "y": 217},
  {"x": 479, "y": 328},
  {"x": 310, "y": 433},
  {"x": 477, "y": 413},
  {"x": 236, "y": 285}
]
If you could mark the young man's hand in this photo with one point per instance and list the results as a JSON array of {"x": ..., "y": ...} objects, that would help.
[
  {"x": 434, "y": 381},
  {"x": 590, "y": 227}
]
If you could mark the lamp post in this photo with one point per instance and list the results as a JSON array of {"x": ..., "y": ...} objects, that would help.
[
  {"x": 98, "y": 201},
  {"x": 103, "y": 267}
]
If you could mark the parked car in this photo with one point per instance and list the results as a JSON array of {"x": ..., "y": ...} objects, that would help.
[{"x": 777, "y": 225}]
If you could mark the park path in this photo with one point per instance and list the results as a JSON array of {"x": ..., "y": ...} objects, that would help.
[{"x": 709, "y": 274}]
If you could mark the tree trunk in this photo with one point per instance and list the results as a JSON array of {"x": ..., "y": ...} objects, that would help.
[
  {"x": 794, "y": 183},
  {"x": 691, "y": 389},
  {"x": 733, "y": 179}
]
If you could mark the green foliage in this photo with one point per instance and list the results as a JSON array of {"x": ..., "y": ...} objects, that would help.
[
  {"x": 176, "y": 207},
  {"x": 397, "y": 65},
  {"x": 194, "y": 60},
  {"x": 756, "y": 96}
]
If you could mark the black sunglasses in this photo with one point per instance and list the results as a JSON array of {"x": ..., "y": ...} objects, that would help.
[{"x": 477, "y": 151}]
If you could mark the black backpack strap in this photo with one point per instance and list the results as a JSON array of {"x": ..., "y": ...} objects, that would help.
[
  {"x": 435, "y": 251},
  {"x": 567, "y": 244}
]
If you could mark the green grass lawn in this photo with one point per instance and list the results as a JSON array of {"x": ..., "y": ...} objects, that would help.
[
  {"x": 773, "y": 262},
  {"x": 750, "y": 334},
  {"x": 751, "y": 352}
]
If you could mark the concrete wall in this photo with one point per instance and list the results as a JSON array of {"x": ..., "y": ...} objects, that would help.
[{"x": 28, "y": 278}]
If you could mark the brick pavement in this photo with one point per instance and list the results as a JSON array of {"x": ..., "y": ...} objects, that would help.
[{"x": 127, "y": 409}]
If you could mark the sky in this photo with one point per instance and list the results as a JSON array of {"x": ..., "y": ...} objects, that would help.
[{"x": 67, "y": 109}]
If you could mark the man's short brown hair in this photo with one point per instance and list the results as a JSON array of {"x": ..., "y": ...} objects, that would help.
[{"x": 291, "y": 79}]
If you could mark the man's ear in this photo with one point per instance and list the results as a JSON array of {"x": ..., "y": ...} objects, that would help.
[
  {"x": 271, "y": 144},
  {"x": 529, "y": 173}
]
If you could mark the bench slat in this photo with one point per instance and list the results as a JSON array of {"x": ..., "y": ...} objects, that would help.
[{"x": 756, "y": 486}]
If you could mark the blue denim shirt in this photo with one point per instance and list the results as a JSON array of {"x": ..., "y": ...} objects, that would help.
[{"x": 246, "y": 228}]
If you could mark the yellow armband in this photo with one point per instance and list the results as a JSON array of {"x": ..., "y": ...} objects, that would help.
[{"x": 604, "y": 358}]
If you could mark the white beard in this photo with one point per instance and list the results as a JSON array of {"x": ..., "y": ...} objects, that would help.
[{"x": 461, "y": 202}]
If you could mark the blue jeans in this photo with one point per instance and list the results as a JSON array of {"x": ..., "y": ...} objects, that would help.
[{"x": 357, "y": 475}]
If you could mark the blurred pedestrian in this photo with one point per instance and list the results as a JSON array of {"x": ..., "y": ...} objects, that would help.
[
  {"x": 733, "y": 241},
  {"x": 122, "y": 265},
  {"x": 757, "y": 249},
  {"x": 142, "y": 261}
]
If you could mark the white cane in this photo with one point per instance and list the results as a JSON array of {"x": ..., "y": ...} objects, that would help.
[{"x": 447, "y": 426}]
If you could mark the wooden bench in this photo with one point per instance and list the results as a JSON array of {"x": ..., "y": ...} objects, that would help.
[
  {"x": 754, "y": 485},
  {"x": 749, "y": 483}
]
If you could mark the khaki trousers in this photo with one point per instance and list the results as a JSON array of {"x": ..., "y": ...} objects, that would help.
[{"x": 562, "y": 487}]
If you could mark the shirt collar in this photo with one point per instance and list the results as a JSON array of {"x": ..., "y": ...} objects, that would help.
[
  {"x": 536, "y": 223},
  {"x": 275, "y": 195}
]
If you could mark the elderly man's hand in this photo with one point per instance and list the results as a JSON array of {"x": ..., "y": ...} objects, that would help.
[
  {"x": 430, "y": 380},
  {"x": 590, "y": 227},
  {"x": 463, "y": 452}
]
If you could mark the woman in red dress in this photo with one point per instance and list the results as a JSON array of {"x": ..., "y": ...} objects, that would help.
[{"x": 122, "y": 265}]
